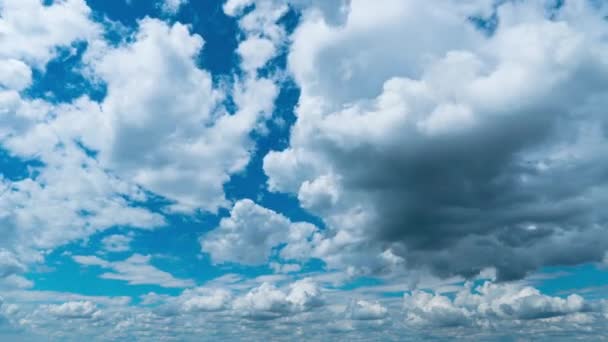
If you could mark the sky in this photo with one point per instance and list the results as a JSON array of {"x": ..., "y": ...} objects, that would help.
[{"x": 316, "y": 170}]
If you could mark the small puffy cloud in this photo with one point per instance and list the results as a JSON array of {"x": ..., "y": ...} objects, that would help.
[
  {"x": 268, "y": 302},
  {"x": 251, "y": 232},
  {"x": 9, "y": 264},
  {"x": 14, "y": 74},
  {"x": 172, "y": 6},
  {"x": 488, "y": 303},
  {"x": 205, "y": 299},
  {"x": 136, "y": 270},
  {"x": 73, "y": 310},
  {"x": 366, "y": 310},
  {"x": 116, "y": 243}
]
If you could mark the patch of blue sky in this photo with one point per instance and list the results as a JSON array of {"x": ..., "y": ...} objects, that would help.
[
  {"x": 565, "y": 280},
  {"x": 15, "y": 169},
  {"x": 63, "y": 274},
  {"x": 62, "y": 79}
]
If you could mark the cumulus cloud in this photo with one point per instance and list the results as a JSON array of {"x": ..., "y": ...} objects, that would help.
[
  {"x": 204, "y": 299},
  {"x": 68, "y": 196},
  {"x": 136, "y": 270},
  {"x": 73, "y": 310},
  {"x": 251, "y": 233},
  {"x": 487, "y": 304},
  {"x": 71, "y": 198},
  {"x": 44, "y": 28},
  {"x": 172, "y": 6},
  {"x": 365, "y": 310},
  {"x": 268, "y": 302},
  {"x": 9, "y": 264},
  {"x": 116, "y": 243},
  {"x": 453, "y": 147},
  {"x": 426, "y": 138}
]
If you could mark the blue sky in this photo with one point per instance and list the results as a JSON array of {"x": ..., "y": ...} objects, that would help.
[{"x": 189, "y": 170}]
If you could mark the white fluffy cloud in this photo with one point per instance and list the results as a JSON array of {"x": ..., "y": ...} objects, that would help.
[
  {"x": 70, "y": 199},
  {"x": 487, "y": 303},
  {"x": 71, "y": 310},
  {"x": 31, "y": 31},
  {"x": 203, "y": 299},
  {"x": 170, "y": 135},
  {"x": 68, "y": 196},
  {"x": 422, "y": 141},
  {"x": 9, "y": 264},
  {"x": 365, "y": 310},
  {"x": 251, "y": 232}
]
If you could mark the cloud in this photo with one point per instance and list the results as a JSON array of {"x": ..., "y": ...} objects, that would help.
[
  {"x": 67, "y": 196},
  {"x": 453, "y": 148},
  {"x": 251, "y": 232},
  {"x": 117, "y": 243},
  {"x": 267, "y": 302},
  {"x": 204, "y": 300},
  {"x": 255, "y": 52},
  {"x": 70, "y": 198},
  {"x": 15, "y": 74},
  {"x": 73, "y": 310},
  {"x": 91, "y": 173},
  {"x": 171, "y": 135},
  {"x": 9, "y": 264},
  {"x": 172, "y": 6},
  {"x": 284, "y": 268},
  {"x": 301, "y": 309},
  {"x": 136, "y": 270},
  {"x": 487, "y": 304},
  {"x": 365, "y": 310},
  {"x": 426, "y": 140},
  {"x": 31, "y": 30}
]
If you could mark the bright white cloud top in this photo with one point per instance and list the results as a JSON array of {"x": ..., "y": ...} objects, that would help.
[{"x": 303, "y": 170}]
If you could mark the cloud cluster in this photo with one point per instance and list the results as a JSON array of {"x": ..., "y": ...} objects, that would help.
[
  {"x": 498, "y": 306},
  {"x": 454, "y": 138},
  {"x": 68, "y": 195},
  {"x": 162, "y": 128},
  {"x": 304, "y": 309},
  {"x": 73, "y": 310},
  {"x": 451, "y": 145}
]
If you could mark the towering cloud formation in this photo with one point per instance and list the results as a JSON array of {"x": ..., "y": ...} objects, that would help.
[{"x": 456, "y": 137}]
